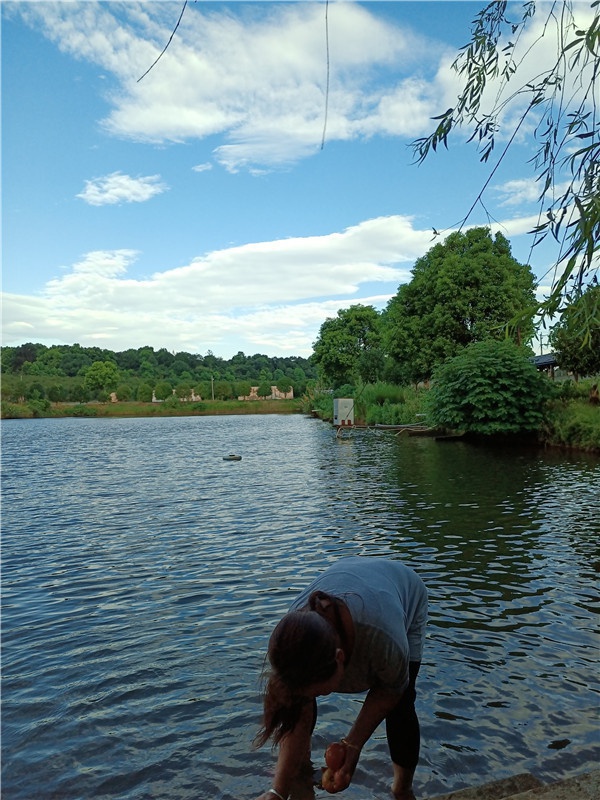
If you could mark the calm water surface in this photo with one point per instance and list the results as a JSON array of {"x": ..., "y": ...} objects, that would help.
[{"x": 143, "y": 574}]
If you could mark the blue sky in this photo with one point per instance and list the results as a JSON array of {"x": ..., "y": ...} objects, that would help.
[{"x": 196, "y": 209}]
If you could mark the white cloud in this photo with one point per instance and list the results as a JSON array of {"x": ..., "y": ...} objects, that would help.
[
  {"x": 255, "y": 72},
  {"x": 202, "y": 167},
  {"x": 513, "y": 193},
  {"x": 264, "y": 296},
  {"x": 273, "y": 295},
  {"x": 118, "y": 188},
  {"x": 526, "y": 190}
]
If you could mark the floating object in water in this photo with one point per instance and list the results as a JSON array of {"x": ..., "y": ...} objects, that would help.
[{"x": 232, "y": 457}]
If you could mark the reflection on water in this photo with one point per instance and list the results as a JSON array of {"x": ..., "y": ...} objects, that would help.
[{"x": 143, "y": 574}]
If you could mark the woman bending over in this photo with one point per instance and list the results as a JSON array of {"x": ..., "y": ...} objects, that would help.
[{"x": 360, "y": 626}]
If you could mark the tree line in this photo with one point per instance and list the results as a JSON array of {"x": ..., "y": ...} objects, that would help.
[{"x": 79, "y": 374}]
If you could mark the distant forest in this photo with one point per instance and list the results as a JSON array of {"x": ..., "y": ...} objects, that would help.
[{"x": 75, "y": 373}]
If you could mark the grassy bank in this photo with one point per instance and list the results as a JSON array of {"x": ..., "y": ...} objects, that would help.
[
  {"x": 575, "y": 424},
  {"x": 570, "y": 422},
  {"x": 45, "y": 409},
  {"x": 570, "y": 419}
]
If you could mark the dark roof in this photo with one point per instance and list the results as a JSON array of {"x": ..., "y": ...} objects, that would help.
[{"x": 547, "y": 360}]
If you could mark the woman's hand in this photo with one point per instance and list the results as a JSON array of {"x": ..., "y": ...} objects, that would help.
[{"x": 341, "y": 760}]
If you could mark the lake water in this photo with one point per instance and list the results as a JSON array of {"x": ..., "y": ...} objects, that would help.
[{"x": 143, "y": 574}]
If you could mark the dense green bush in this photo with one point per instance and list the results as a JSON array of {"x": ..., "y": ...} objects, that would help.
[
  {"x": 124, "y": 392},
  {"x": 14, "y": 411},
  {"x": 172, "y": 401},
  {"x": 491, "y": 387},
  {"x": 39, "y": 407}
]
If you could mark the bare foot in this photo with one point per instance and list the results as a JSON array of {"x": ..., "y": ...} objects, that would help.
[{"x": 407, "y": 794}]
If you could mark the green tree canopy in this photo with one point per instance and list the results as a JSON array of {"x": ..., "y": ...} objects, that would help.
[
  {"x": 489, "y": 388},
  {"x": 462, "y": 291},
  {"x": 508, "y": 84},
  {"x": 162, "y": 390},
  {"x": 264, "y": 389},
  {"x": 348, "y": 347},
  {"x": 102, "y": 376},
  {"x": 574, "y": 351},
  {"x": 144, "y": 393}
]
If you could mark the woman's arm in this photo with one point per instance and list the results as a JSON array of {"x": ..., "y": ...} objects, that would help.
[
  {"x": 378, "y": 704},
  {"x": 294, "y": 751}
]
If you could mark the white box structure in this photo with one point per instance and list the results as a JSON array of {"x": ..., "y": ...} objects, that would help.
[{"x": 343, "y": 412}]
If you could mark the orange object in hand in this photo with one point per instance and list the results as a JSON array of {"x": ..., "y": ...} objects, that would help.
[
  {"x": 335, "y": 755},
  {"x": 328, "y": 780}
]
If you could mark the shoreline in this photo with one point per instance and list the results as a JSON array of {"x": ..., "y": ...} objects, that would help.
[{"x": 583, "y": 786}]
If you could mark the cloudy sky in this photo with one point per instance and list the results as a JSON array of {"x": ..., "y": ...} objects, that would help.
[{"x": 225, "y": 200}]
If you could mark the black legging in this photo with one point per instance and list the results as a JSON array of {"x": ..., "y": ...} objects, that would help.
[{"x": 402, "y": 725}]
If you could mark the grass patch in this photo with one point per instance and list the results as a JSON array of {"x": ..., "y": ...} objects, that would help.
[
  {"x": 573, "y": 424},
  {"x": 173, "y": 408}
]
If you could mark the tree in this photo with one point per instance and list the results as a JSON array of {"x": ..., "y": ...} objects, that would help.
[
  {"x": 264, "y": 389},
  {"x": 24, "y": 353},
  {"x": 184, "y": 390},
  {"x": 568, "y": 343},
  {"x": 102, "y": 376},
  {"x": 56, "y": 393},
  {"x": 144, "y": 393},
  {"x": 79, "y": 393},
  {"x": 348, "y": 348},
  {"x": 129, "y": 359},
  {"x": 560, "y": 102},
  {"x": 223, "y": 390},
  {"x": 162, "y": 390},
  {"x": 283, "y": 385},
  {"x": 462, "y": 291},
  {"x": 124, "y": 392},
  {"x": 243, "y": 388},
  {"x": 489, "y": 388}
]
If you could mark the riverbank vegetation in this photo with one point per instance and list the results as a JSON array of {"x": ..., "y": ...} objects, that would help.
[{"x": 443, "y": 353}]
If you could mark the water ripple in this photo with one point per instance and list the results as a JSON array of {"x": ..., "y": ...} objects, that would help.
[{"x": 142, "y": 576}]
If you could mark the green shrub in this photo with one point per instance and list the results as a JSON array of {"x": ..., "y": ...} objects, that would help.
[
  {"x": 347, "y": 390},
  {"x": 172, "y": 401},
  {"x": 14, "y": 411},
  {"x": 78, "y": 393},
  {"x": 84, "y": 411},
  {"x": 39, "y": 408},
  {"x": 56, "y": 393},
  {"x": 489, "y": 388},
  {"x": 124, "y": 392},
  {"x": 574, "y": 424},
  {"x": 389, "y": 404}
]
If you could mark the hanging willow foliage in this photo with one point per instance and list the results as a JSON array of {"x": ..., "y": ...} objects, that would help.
[{"x": 562, "y": 104}]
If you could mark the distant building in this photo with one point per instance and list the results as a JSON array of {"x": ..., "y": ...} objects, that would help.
[{"x": 546, "y": 363}]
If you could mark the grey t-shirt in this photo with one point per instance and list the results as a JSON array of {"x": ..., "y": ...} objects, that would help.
[{"x": 388, "y": 604}]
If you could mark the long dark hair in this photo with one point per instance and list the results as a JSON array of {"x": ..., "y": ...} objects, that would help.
[{"x": 302, "y": 651}]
